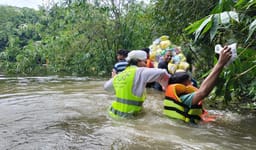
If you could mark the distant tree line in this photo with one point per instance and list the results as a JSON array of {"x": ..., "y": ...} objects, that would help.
[{"x": 81, "y": 38}]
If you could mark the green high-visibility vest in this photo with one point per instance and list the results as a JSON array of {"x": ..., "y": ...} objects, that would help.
[{"x": 126, "y": 105}]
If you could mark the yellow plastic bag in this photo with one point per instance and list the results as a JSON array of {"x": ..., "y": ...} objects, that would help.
[
  {"x": 164, "y": 37},
  {"x": 165, "y": 44},
  {"x": 172, "y": 68}
]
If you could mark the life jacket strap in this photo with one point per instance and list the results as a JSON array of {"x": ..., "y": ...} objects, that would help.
[
  {"x": 183, "y": 105},
  {"x": 176, "y": 102},
  {"x": 185, "y": 114},
  {"x": 177, "y": 110}
]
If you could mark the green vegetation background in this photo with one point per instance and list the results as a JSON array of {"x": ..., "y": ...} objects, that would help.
[{"x": 81, "y": 38}]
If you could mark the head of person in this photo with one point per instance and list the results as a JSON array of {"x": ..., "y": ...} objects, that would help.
[
  {"x": 180, "y": 77},
  {"x": 147, "y": 50},
  {"x": 122, "y": 54},
  {"x": 137, "y": 57},
  {"x": 177, "y": 50},
  {"x": 167, "y": 55}
]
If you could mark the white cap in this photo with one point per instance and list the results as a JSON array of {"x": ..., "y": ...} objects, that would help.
[{"x": 136, "y": 54}]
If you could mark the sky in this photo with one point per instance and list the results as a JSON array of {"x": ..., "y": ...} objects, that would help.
[
  {"x": 23, "y": 3},
  {"x": 29, "y": 3}
]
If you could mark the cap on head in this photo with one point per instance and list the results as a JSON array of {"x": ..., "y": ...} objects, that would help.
[{"x": 136, "y": 55}]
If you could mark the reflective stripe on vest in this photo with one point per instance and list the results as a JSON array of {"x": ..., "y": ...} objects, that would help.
[
  {"x": 121, "y": 114},
  {"x": 174, "y": 108},
  {"x": 129, "y": 102}
]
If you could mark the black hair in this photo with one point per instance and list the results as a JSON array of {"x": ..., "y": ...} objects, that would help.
[
  {"x": 146, "y": 50},
  {"x": 123, "y": 52},
  {"x": 133, "y": 62},
  {"x": 179, "y": 77}
]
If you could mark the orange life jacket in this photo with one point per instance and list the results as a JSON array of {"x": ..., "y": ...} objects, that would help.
[{"x": 174, "y": 108}]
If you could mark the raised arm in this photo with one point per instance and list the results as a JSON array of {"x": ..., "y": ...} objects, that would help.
[{"x": 210, "y": 81}]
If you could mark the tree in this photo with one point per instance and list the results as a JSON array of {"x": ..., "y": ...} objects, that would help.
[{"x": 229, "y": 22}]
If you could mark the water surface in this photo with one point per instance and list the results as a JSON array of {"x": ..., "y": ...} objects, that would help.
[{"x": 71, "y": 113}]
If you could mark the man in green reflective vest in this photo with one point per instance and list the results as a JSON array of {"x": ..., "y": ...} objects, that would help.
[{"x": 129, "y": 85}]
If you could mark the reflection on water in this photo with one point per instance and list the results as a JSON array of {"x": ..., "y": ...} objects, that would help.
[{"x": 71, "y": 113}]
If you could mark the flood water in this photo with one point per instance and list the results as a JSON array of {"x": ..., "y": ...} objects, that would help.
[{"x": 63, "y": 113}]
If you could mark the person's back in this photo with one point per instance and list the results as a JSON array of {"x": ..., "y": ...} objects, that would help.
[
  {"x": 122, "y": 63},
  {"x": 183, "y": 101},
  {"x": 120, "y": 66},
  {"x": 177, "y": 95},
  {"x": 129, "y": 85}
]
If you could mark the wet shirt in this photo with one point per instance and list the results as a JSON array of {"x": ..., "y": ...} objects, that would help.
[
  {"x": 120, "y": 66},
  {"x": 187, "y": 99},
  {"x": 163, "y": 65},
  {"x": 142, "y": 77}
]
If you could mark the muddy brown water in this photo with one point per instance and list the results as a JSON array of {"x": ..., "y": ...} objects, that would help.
[{"x": 45, "y": 113}]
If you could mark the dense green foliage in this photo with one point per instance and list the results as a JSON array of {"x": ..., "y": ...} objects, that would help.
[
  {"x": 77, "y": 37},
  {"x": 172, "y": 16},
  {"x": 231, "y": 22},
  {"x": 81, "y": 37}
]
